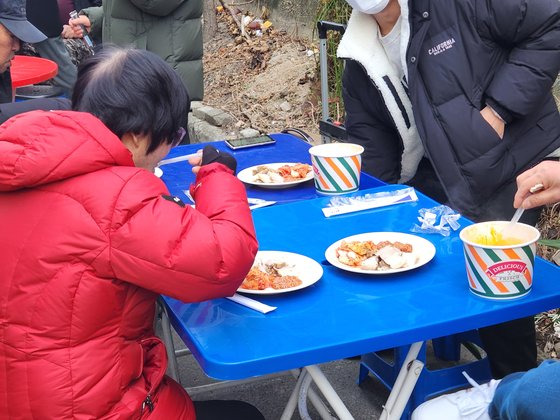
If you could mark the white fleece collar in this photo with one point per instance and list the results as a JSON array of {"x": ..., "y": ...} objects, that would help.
[{"x": 361, "y": 43}]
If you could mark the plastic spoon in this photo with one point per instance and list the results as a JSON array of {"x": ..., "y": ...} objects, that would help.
[{"x": 517, "y": 215}]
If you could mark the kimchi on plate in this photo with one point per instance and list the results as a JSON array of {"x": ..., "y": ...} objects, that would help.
[
  {"x": 276, "y": 175},
  {"x": 279, "y": 272}
]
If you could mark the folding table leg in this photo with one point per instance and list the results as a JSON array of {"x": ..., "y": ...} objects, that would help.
[
  {"x": 325, "y": 387},
  {"x": 302, "y": 396},
  {"x": 328, "y": 392},
  {"x": 306, "y": 392},
  {"x": 168, "y": 341},
  {"x": 292, "y": 401},
  {"x": 404, "y": 384},
  {"x": 319, "y": 405},
  {"x": 414, "y": 372},
  {"x": 315, "y": 399}
]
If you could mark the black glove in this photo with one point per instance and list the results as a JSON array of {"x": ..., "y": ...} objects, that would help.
[{"x": 210, "y": 155}]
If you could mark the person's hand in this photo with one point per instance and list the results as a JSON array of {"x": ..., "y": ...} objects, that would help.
[
  {"x": 496, "y": 123},
  {"x": 67, "y": 32},
  {"x": 76, "y": 25},
  {"x": 546, "y": 173},
  {"x": 210, "y": 155},
  {"x": 196, "y": 162}
]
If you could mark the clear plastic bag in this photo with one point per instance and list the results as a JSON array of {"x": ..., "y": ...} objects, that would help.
[{"x": 440, "y": 219}]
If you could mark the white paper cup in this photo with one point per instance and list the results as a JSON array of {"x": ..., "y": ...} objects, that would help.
[
  {"x": 336, "y": 167},
  {"x": 500, "y": 271}
]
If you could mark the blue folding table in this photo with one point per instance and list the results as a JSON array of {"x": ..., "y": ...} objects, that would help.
[
  {"x": 178, "y": 176},
  {"x": 345, "y": 314}
]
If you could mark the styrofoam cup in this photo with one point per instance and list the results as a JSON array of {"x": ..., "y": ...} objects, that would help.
[{"x": 336, "y": 167}]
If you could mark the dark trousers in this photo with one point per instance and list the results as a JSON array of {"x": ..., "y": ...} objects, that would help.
[
  {"x": 226, "y": 410},
  {"x": 510, "y": 346}
]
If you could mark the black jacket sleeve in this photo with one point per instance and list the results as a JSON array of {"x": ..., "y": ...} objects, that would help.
[
  {"x": 530, "y": 30},
  {"x": 6, "y": 93},
  {"x": 369, "y": 124},
  {"x": 8, "y": 110}
]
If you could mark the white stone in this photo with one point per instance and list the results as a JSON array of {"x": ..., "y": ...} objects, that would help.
[
  {"x": 203, "y": 112},
  {"x": 285, "y": 106},
  {"x": 556, "y": 257},
  {"x": 200, "y": 131},
  {"x": 249, "y": 132},
  {"x": 220, "y": 118}
]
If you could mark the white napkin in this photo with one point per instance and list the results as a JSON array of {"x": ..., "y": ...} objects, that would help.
[{"x": 251, "y": 303}]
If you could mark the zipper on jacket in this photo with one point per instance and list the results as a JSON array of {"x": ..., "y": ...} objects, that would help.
[{"x": 148, "y": 402}]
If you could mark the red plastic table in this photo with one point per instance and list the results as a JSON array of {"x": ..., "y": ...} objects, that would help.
[{"x": 27, "y": 70}]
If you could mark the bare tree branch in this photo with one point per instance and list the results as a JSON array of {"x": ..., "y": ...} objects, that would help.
[{"x": 237, "y": 22}]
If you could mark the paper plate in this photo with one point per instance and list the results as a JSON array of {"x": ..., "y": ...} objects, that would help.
[
  {"x": 423, "y": 248},
  {"x": 308, "y": 270},
  {"x": 246, "y": 176}
]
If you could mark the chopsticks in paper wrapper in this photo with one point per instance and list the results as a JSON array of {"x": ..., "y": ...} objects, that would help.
[
  {"x": 342, "y": 205},
  {"x": 179, "y": 159},
  {"x": 251, "y": 303}
]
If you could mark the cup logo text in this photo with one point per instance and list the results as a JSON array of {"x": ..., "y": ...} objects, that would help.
[{"x": 507, "y": 270}]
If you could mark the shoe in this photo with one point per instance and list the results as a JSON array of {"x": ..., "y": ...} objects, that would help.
[{"x": 467, "y": 404}]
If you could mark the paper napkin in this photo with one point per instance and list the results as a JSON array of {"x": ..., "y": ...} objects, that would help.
[{"x": 251, "y": 303}]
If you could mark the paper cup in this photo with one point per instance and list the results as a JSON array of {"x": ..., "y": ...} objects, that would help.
[
  {"x": 500, "y": 266},
  {"x": 336, "y": 167}
]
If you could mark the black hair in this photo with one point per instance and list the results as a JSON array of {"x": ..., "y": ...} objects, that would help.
[{"x": 132, "y": 91}]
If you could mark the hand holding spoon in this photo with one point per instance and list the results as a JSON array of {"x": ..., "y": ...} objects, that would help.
[{"x": 517, "y": 215}]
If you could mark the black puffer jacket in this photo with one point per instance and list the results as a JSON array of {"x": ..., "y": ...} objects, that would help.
[
  {"x": 6, "y": 87},
  {"x": 461, "y": 56},
  {"x": 44, "y": 15}
]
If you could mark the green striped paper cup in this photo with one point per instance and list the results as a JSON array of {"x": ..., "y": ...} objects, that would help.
[
  {"x": 500, "y": 272},
  {"x": 336, "y": 167}
]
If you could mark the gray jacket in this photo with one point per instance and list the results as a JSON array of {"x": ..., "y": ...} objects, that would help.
[{"x": 170, "y": 28}]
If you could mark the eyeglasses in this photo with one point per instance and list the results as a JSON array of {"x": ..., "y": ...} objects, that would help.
[{"x": 178, "y": 136}]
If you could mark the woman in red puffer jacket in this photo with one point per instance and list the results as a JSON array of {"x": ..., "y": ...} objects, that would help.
[{"x": 90, "y": 237}]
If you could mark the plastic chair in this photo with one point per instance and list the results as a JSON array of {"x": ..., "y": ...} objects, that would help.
[{"x": 431, "y": 382}]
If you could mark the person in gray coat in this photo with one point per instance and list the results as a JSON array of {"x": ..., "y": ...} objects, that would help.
[{"x": 171, "y": 29}]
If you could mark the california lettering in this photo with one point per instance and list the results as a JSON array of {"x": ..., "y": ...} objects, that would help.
[{"x": 441, "y": 47}]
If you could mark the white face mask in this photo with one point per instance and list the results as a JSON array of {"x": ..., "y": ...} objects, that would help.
[{"x": 370, "y": 7}]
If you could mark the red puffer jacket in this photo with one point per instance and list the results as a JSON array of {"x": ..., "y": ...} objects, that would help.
[{"x": 87, "y": 242}]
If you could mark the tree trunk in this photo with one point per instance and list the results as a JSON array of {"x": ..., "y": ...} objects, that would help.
[{"x": 210, "y": 25}]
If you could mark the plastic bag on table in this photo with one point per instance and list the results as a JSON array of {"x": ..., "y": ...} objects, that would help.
[{"x": 439, "y": 219}]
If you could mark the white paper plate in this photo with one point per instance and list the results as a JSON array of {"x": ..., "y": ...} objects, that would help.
[
  {"x": 246, "y": 176},
  {"x": 307, "y": 269},
  {"x": 423, "y": 248}
]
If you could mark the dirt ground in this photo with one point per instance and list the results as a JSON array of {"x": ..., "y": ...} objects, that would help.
[{"x": 268, "y": 83}]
